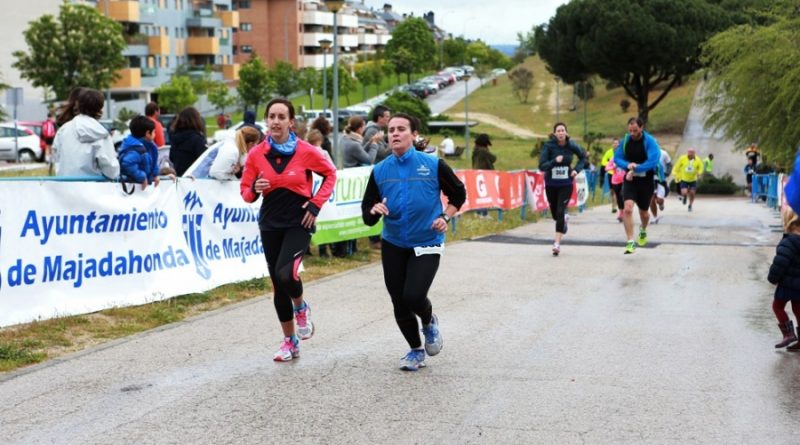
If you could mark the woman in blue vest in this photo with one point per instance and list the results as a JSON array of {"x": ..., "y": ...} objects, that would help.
[{"x": 405, "y": 189}]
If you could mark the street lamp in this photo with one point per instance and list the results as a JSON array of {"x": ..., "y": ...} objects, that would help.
[
  {"x": 326, "y": 45},
  {"x": 466, "y": 113},
  {"x": 335, "y": 6}
]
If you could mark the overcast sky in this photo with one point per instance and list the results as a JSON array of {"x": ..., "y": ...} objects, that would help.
[{"x": 493, "y": 21}]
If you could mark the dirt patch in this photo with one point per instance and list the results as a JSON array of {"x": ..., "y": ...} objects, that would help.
[{"x": 502, "y": 124}]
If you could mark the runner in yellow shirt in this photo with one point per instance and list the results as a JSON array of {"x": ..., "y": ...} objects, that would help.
[
  {"x": 609, "y": 154},
  {"x": 687, "y": 170}
]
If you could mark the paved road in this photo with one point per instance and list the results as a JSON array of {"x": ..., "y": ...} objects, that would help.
[
  {"x": 670, "y": 345},
  {"x": 446, "y": 98}
]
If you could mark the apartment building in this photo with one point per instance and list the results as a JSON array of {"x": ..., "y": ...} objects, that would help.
[
  {"x": 290, "y": 30},
  {"x": 163, "y": 35}
]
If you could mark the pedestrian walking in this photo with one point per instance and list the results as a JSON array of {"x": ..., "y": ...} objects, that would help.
[
  {"x": 689, "y": 168},
  {"x": 279, "y": 170},
  {"x": 405, "y": 190},
  {"x": 483, "y": 159},
  {"x": 785, "y": 274},
  {"x": 556, "y": 163},
  {"x": 638, "y": 154}
]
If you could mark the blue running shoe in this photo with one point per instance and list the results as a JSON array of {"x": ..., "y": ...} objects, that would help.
[
  {"x": 414, "y": 360},
  {"x": 433, "y": 338}
]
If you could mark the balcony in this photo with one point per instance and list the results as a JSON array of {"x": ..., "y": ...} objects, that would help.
[
  {"x": 367, "y": 39},
  {"x": 159, "y": 45},
  {"x": 317, "y": 18},
  {"x": 136, "y": 50},
  {"x": 203, "y": 19},
  {"x": 383, "y": 39},
  {"x": 147, "y": 13},
  {"x": 202, "y": 45},
  {"x": 313, "y": 38},
  {"x": 149, "y": 72},
  {"x": 348, "y": 40},
  {"x": 315, "y": 61},
  {"x": 121, "y": 11},
  {"x": 230, "y": 19},
  {"x": 130, "y": 78},
  {"x": 346, "y": 20},
  {"x": 231, "y": 72}
]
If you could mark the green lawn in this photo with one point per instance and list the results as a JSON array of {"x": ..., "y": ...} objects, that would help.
[{"x": 604, "y": 114}]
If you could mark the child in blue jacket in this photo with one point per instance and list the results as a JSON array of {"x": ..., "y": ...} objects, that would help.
[{"x": 138, "y": 155}]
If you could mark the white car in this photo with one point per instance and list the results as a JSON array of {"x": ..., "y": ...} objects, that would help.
[
  {"x": 221, "y": 135},
  {"x": 27, "y": 148}
]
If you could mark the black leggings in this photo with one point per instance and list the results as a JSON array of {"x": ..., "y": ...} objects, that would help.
[
  {"x": 284, "y": 250},
  {"x": 408, "y": 278},
  {"x": 558, "y": 198},
  {"x": 618, "y": 194}
]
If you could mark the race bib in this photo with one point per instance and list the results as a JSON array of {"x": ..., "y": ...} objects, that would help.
[
  {"x": 689, "y": 168},
  {"x": 436, "y": 249},
  {"x": 560, "y": 172}
]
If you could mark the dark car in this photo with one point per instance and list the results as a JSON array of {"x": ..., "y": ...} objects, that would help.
[{"x": 418, "y": 90}]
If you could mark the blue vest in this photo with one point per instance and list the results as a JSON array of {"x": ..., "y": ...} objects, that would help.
[{"x": 410, "y": 185}]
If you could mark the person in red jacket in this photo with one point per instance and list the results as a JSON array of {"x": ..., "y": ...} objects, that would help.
[{"x": 279, "y": 170}]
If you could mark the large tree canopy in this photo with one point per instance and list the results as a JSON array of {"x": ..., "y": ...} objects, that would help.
[
  {"x": 641, "y": 45},
  {"x": 752, "y": 94},
  {"x": 255, "y": 84},
  {"x": 80, "y": 48},
  {"x": 412, "y": 47}
]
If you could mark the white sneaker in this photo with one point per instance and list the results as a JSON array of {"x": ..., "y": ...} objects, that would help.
[{"x": 305, "y": 328}]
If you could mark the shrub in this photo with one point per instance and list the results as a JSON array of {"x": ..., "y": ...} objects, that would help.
[
  {"x": 406, "y": 103},
  {"x": 711, "y": 185},
  {"x": 624, "y": 104}
]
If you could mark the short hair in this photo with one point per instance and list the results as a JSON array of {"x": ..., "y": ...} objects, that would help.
[
  {"x": 140, "y": 126},
  {"x": 562, "y": 124},
  {"x": 188, "y": 119},
  {"x": 378, "y": 111},
  {"x": 321, "y": 123},
  {"x": 151, "y": 109},
  {"x": 354, "y": 123},
  {"x": 280, "y": 100},
  {"x": 315, "y": 137},
  {"x": 413, "y": 122},
  {"x": 90, "y": 103},
  {"x": 638, "y": 121}
]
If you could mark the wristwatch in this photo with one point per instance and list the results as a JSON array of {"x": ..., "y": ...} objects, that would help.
[{"x": 445, "y": 217}]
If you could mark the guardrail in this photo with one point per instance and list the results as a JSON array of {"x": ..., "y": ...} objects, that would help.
[{"x": 765, "y": 188}]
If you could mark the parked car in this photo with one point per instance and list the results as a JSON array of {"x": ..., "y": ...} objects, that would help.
[
  {"x": 497, "y": 72},
  {"x": 418, "y": 90},
  {"x": 27, "y": 148},
  {"x": 457, "y": 71}
]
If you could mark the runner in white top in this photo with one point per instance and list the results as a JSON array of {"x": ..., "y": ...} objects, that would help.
[{"x": 661, "y": 185}]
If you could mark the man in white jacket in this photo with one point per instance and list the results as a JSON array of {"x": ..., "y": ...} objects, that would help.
[{"x": 82, "y": 146}]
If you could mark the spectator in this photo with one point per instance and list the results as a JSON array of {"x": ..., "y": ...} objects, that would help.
[
  {"x": 152, "y": 111},
  {"x": 69, "y": 110},
  {"x": 301, "y": 129},
  {"x": 355, "y": 154},
  {"x": 138, "y": 154},
  {"x": 83, "y": 147},
  {"x": 188, "y": 139},
  {"x": 324, "y": 127},
  {"x": 708, "y": 165},
  {"x": 316, "y": 138},
  {"x": 48, "y": 134},
  {"x": 483, "y": 159},
  {"x": 375, "y": 133},
  {"x": 229, "y": 162},
  {"x": 752, "y": 152},
  {"x": 221, "y": 121},
  {"x": 447, "y": 146}
]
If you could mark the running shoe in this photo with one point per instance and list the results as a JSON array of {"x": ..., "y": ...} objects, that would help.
[
  {"x": 661, "y": 206},
  {"x": 305, "y": 328},
  {"x": 556, "y": 249},
  {"x": 433, "y": 338},
  {"x": 290, "y": 348},
  {"x": 642, "y": 240},
  {"x": 690, "y": 207},
  {"x": 566, "y": 223},
  {"x": 414, "y": 360},
  {"x": 655, "y": 219},
  {"x": 684, "y": 200},
  {"x": 619, "y": 216},
  {"x": 630, "y": 248},
  {"x": 613, "y": 210}
]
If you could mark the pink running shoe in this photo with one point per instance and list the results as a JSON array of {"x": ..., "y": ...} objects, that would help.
[
  {"x": 305, "y": 328},
  {"x": 289, "y": 349}
]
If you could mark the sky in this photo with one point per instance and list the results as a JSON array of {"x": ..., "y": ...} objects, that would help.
[{"x": 494, "y": 21}]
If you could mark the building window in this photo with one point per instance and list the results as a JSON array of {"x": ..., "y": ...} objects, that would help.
[
  {"x": 247, "y": 49},
  {"x": 244, "y": 4},
  {"x": 245, "y": 26},
  {"x": 235, "y": 49}
]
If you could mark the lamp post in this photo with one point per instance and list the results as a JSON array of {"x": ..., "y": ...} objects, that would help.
[
  {"x": 326, "y": 45},
  {"x": 466, "y": 114},
  {"x": 335, "y": 6}
]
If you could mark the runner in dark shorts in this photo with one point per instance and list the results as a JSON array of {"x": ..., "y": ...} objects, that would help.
[{"x": 638, "y": 154}]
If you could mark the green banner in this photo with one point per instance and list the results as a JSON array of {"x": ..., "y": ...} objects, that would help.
[{"x": 344, "y": 229}]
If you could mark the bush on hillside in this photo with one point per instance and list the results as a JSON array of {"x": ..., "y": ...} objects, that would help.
[
  {"x": 406, "y": 103},
  {"x": 711, "y": 185},
  {"x": 624, "y": 104}
]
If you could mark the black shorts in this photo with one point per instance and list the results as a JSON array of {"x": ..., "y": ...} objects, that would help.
[
  {"x": 639, "y": 190},
  {"x": 691, "y": 185}
]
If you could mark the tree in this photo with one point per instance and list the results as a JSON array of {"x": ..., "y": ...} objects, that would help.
[
  {"x": 412, "y": 46},
  {"x": 455, "y": 51},
  {"x": 307, "y": 80},
  {"x": 285, "y": 78},
  {"x": 751, "y": 94},
  {"x": 364, "y": 74},
  {"x": 527, "y": 42},
  {"x": 521, "y": 83},
  {"x": 220, "y": 96},
  {"x": 79, "y": 48},
  {"x": 346, "y": 84},
  {"x": 483, "y": 71},
  {"x": 412, "y": 105},
  {"x": 644, "y": 45},
  {"x": 176, "y": 94},
  {"x": 255, "y": 84}
]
